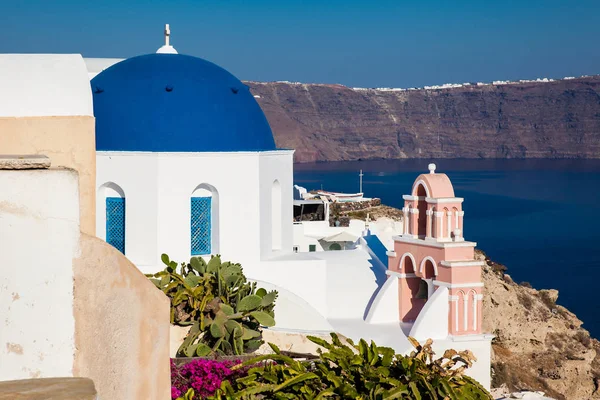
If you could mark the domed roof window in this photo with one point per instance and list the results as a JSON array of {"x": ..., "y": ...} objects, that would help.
[{"x": 168, "y": 102}]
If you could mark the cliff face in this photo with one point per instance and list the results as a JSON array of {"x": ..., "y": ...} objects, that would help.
[
  {"x": 539, "y": 345},
  {"x": 557, "y": 119}
]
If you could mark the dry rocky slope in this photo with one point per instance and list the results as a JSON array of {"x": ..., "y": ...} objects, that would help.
[
  {"x": 539, "y": 345},
  {"x": 557, "y": 119}
]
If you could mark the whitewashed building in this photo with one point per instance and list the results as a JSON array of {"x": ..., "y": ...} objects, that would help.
[{"x": 187, "y": 165}]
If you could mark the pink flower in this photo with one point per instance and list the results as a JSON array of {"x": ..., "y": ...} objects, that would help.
[{"x": 204, "y": 376}]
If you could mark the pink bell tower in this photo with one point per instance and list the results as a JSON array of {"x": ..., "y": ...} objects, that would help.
[{"x": 432, "y": 253}]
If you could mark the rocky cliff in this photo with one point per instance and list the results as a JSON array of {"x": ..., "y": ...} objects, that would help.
[
  {"x": 555, "y": 119},
  {"x": 539, "y": 345}
]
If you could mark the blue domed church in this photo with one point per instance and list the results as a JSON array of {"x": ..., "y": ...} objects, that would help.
[{"x": 187, "y": 164}]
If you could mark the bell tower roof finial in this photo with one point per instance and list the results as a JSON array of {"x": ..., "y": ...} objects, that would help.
[
  {"x": 431, "y": 168},
  {"x": 167, "y": 48}
]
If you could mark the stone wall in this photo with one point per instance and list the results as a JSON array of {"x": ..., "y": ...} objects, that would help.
[
  {"x": 121, "y": 325},
  {"x": 71, "y": 304},
  {"x": 357, "y": 205},
  {"x": 339, "y": 210},
  {"x": 342, "y": 221},
  {"x": 49, "y": 388},
  {"x": 69, "y": 142},
  {"x": 39, "y": 234}
]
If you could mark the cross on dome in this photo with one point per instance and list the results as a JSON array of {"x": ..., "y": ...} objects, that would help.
[{"x": 167, "y": 48}]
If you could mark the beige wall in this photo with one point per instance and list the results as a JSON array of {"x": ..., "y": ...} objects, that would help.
[
  {"x": 121, "y": 326},
  {"x": 68, "y": 141}
]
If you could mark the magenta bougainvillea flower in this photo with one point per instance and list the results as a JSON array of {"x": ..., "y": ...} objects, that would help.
[{"x": 204, "y": 376}]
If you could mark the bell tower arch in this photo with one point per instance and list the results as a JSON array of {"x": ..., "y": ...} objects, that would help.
[{"x": 432, "y": 253}]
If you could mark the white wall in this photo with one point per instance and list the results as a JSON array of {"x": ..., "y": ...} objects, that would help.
[
  {"x": 301, "y": 274},
  {"x": 432, "y": 321},
  {"x": 38, "y": 242},
  {"x": 303, "y": 241},
  {"x": 384, "y": 308},
  {"x": 480, "y": 346},
  {"x": 37, "y": 85},
  {"x": 137, "y": 178},
  {"x": 276, "y": 165},
  {"x": 96, "y": 65},
  {"x": 158, "y": 188}
]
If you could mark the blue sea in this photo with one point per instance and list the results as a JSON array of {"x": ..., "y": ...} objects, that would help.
[{"x": 540, "y": 218}]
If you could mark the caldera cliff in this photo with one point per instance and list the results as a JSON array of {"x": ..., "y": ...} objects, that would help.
[
  {"x": 533, "y": 119},
  {"x": 538, "y": 344}
]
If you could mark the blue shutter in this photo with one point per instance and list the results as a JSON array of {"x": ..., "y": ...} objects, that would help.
[
  {"x": 115, "y": 222},
  {"x": 200, "y": 225}
]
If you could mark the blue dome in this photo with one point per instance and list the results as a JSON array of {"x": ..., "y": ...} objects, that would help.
[{"x": 176, "y": 103}]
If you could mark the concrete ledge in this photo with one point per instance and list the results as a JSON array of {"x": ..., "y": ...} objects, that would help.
[
  {"x": 24, "y": 162},
  {"x": 48, "y": 388}
]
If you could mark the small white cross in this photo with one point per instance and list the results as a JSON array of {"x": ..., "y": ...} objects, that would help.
[{"x": 167, "y": 34}]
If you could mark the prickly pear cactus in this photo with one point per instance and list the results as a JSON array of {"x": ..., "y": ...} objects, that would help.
[{"x": 225, "y": 311}]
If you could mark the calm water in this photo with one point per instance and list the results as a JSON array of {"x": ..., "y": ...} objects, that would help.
[{"x": 541, "y": 218}]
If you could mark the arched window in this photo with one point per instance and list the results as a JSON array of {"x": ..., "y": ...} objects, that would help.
[
  {"x": 276, "y": 215},
  {"x": 447, "y": 223},
  {"x": 428, "y": 268},
  {"x": 422, "y": 207},
  {"x": 473, "y": 299},
  {"x": 407, "y": 263},
  {"x": 461, "y": 312},
  {"x": 204, "y": 218},
  {"x": 455, "y": 214},
  {"x": 114, "y": 202},
  {"x": 335, "y": 246},
  {"x": 435, "y": 226}
]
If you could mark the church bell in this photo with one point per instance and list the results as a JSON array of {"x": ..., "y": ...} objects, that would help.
[{"x": 423, "y": 292}]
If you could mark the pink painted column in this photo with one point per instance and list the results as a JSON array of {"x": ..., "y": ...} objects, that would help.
[
  {"x": 466, "y": 311},
  {"x": 438, "y": 224},
  {"x": 414, "y": 220},
  {"x": 453, "y": 314},
  {"x": 429, "y": 233}
]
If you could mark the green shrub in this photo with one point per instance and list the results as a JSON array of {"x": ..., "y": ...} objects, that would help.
[
  {"x": 357, "y": 372},
  {"x": 224, "y": 310}
]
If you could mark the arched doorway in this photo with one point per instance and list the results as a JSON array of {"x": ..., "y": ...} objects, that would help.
[
  {"x": 335, "y": 246},
  {"x": 428, "y": 271},
  {"x": 409, "y": 285}
]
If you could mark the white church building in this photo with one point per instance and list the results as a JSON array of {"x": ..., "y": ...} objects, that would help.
[{"x": 187, "y": 165}]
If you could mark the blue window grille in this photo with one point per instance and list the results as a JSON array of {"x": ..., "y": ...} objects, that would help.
[
  {"x": 115, "y": 222},
  {"x": 201, "y": 225}
]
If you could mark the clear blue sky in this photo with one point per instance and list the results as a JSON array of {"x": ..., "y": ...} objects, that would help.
[{"x": 392, "y": 43}]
